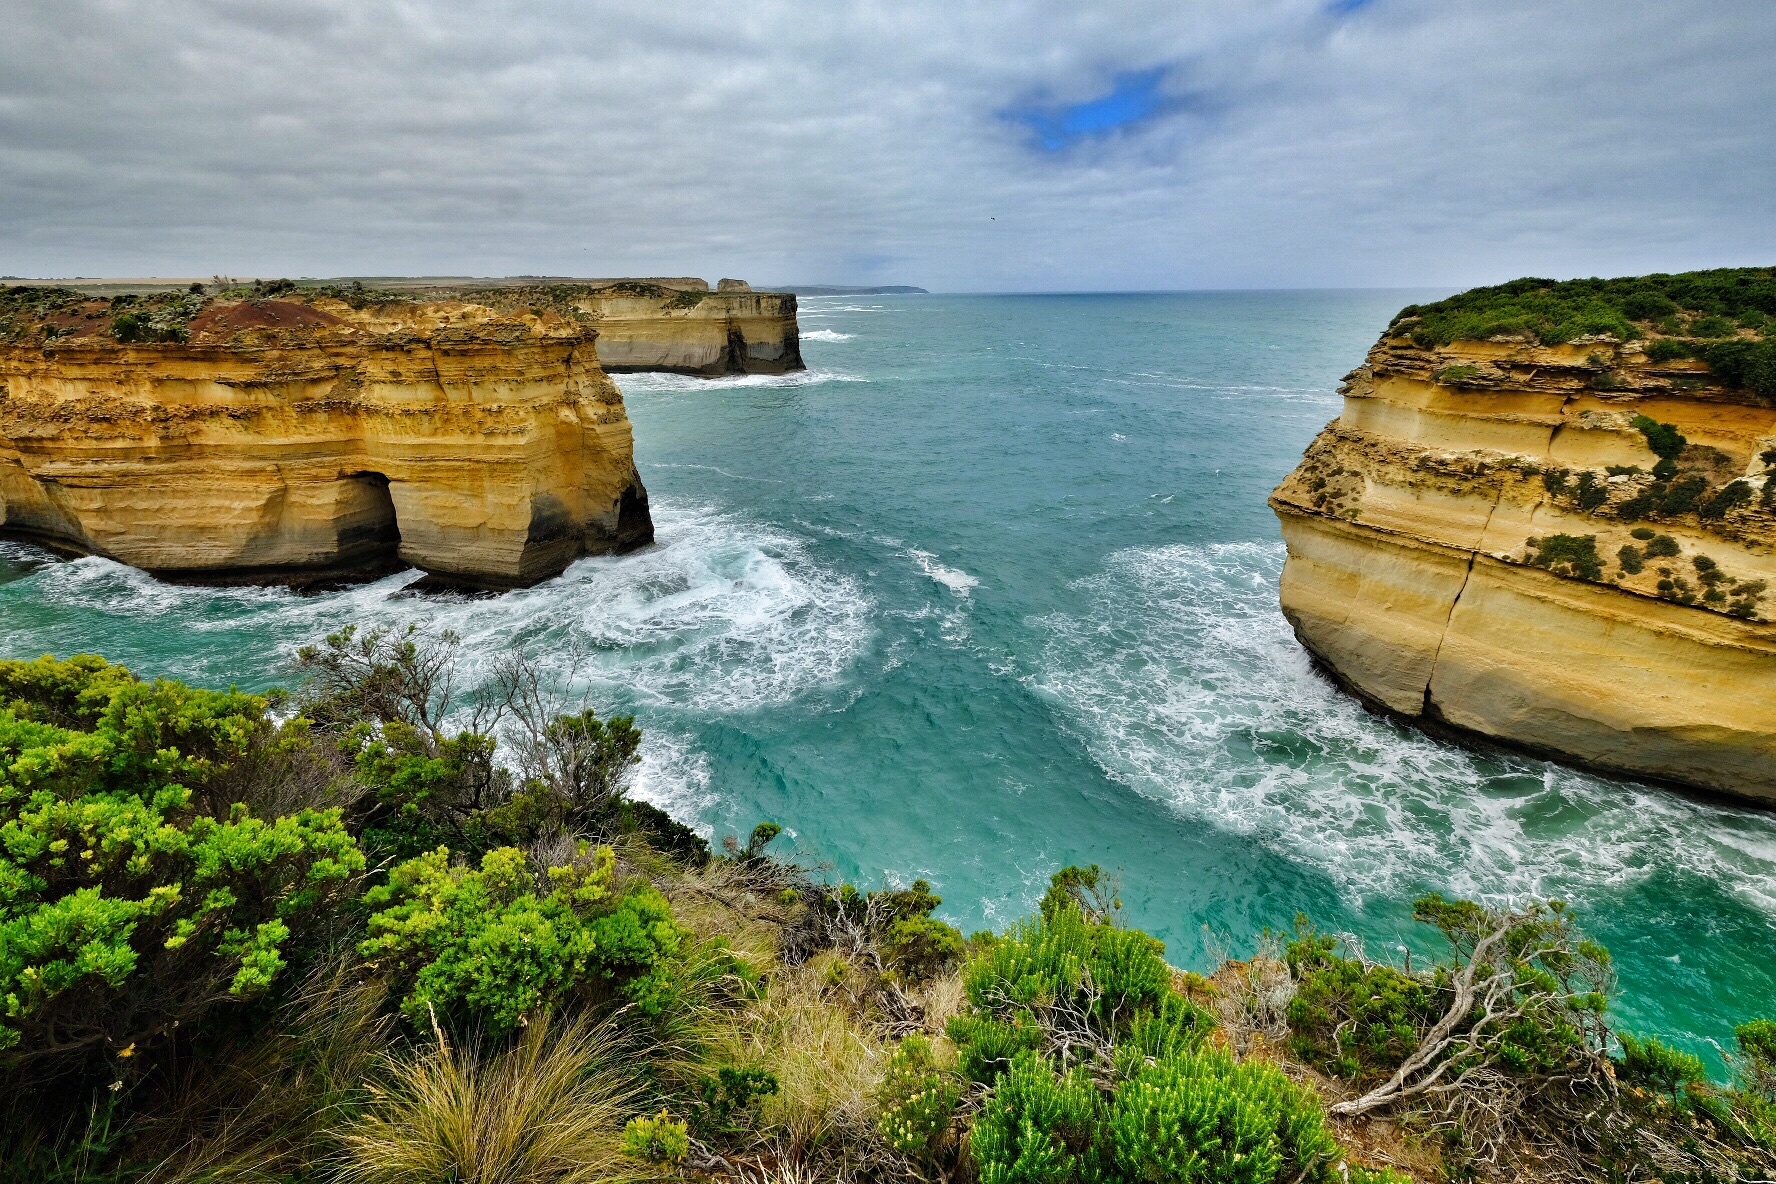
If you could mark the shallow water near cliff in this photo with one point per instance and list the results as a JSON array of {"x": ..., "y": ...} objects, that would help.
[{"x": 991, "y": 588}]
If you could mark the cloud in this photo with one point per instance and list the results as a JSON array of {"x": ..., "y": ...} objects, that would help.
[{"x": 1027, "y": 144}]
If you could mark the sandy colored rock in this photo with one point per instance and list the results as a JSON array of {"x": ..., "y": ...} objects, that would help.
[
  {"x": 302, "y": 438},
  {"x": 733, "y": 331},
  {"x": 1420, "y": 526}
]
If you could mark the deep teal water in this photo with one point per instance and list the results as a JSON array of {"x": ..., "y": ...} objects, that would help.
[{"x": 991, "y": 589}]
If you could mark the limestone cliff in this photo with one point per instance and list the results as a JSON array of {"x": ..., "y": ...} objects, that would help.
[
  {"x": 277, "y": 435},
  {"x": 733, "y": 331},
  {"x": 677, "y": 326},
  {"x": 1566, "y": 547}
]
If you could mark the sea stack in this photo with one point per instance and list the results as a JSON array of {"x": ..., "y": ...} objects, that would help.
[
  {"x": 1546, "y": 518},
  {"x": 295, "y": 435}
]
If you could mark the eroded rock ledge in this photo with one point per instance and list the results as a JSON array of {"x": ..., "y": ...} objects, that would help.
[
  {"x": 1486, "y": 541},
  {"x": 294, "y": 437}
]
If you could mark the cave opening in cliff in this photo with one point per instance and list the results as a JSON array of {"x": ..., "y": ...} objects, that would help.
[{"x": 369, "y": 532}]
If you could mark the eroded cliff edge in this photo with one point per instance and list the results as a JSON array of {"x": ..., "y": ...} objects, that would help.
[
  {"x": 674, "y": 325},
  {"x": 1564, "y": 546},
  {"x": 292, "y": 436}
]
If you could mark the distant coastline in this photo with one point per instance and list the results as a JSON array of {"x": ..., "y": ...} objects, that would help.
[{"x": 849, "y": 290}]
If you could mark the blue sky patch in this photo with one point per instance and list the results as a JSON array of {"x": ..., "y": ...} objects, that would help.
[
  {"x": 1133, "y": 98},
  {"x": 1346, "y": 7}
]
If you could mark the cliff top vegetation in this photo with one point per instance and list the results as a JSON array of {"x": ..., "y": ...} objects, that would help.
[
  {"x": 380, "y": 930},
  {"x": 1722, "y": 317},
  {"x": 1697, "y": 304},
  {"x": 44, "y": 314}
]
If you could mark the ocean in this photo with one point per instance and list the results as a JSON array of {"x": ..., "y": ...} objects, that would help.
[{"x": 991, "y": 589}]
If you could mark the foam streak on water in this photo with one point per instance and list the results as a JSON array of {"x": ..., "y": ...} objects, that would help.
[
  {"x": 722, "y": 615},
  {"x": 1187, "y": 685}
]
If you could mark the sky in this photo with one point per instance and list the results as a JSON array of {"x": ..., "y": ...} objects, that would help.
[{"x": 961, "y": 145}]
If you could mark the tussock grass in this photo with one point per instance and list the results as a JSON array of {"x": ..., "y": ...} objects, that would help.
[
  {"x": 265, "y": 1112},
  {"x": 827, "y": 1062},
  {"x": 550, "y": 1110}
]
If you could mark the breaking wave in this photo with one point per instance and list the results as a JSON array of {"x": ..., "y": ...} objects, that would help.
[
  {"x": 646, "y": 384},
  {"x": 1185, "y": 683}
]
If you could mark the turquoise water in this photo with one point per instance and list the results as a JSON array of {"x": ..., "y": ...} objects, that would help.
[{"x": 991, "y": 589}]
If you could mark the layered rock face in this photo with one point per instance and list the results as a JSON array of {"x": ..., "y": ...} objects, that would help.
[
  {"x": 733, "y": 331},
  {"x": 1564, "y": 548},
  {"x": 301, "y": 438}
]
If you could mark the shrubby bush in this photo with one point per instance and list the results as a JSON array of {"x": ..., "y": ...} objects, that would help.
[
  {"x": 488, "y": 947},
  {"x": 1099, "y": 1070},
  {"x": 1568, "y": 555},
  {"x": 1205, "y": 1117},
  {"x": 918, "y": 1099},
  {"x": 1553, "y": 311},
  {"x": 1653, "y": 1063},
  {"x": 137, "y": 892}
]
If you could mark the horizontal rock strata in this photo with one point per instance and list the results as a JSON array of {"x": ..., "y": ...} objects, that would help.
[
  {"x": 1480, "y": 543},
  {"x": 300, "y": 438},
  {"x": 708, "y": 334}
]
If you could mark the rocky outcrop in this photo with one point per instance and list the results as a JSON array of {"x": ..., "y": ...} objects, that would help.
[
  {"x": 1566, "y": 548},
  {"x": 301, "y": 437},
  {"x": 733, "y": 331}
]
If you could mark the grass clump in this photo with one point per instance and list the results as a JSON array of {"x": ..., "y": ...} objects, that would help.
[{"x": 548, "y": 1110}]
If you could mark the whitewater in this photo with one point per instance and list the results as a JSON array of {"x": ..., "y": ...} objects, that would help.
[{"x": 991, "y": 588}]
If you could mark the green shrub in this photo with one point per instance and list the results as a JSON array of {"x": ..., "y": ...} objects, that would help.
[
  {"x": 729, "y": 1099},
  {"x": 1757, "y": 1057},
  {"x": 1643, "y": 533},
  {"x": 658, "y": 1139},
  {"x": 1036, "y": 1127},
  {"x": 1682, "y": 495},
  {"x": 986, "y": 1046},
  {"x": 1646, "y": 304},
  {"x": 488, "y": 947},
  {"x": 1661, "y": 546},
  {"x": 1591, "y": 492},
  {"x": 1665, "y": 441},
  {"x": 1349, "y": 1019},
  {"x": 1652, "y": 1063},
  {"x": 1205, "y": 1118},
  {"x": 1552, "y": 311},
  {"x": 918, "y": 1099},
  {"x": 1728, "y": 497},
  {"x": 1568, "y": 555},
  {"x": 1064, "y": 960},
  {"x": 1632, "y": 561},
  {"x": 1668, "y": 349},
  {"x": 135, "y": 895},
  {"x": 1457, "y": 375},
  {"x": 1747, "y": 364}
]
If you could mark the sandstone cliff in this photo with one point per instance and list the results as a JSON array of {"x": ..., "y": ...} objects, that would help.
[
  {"x": 733, "y": 331},
  {"x": 1565, "y": 547},
  {"x": 677, "y": 326},
  {"x": 288, "y": 436}
]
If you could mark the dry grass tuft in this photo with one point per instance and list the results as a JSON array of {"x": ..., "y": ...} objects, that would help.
[
  {"x": 548, "y": 1111},
  {"x": 827, "y": 1062},
  {"x": 261, "y": 1114}
]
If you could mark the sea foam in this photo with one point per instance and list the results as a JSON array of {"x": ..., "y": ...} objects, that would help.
[{"x": 1185, "y": 683}]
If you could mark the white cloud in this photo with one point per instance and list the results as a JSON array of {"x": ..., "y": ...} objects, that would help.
[{"x": 1414, "y": 141}]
